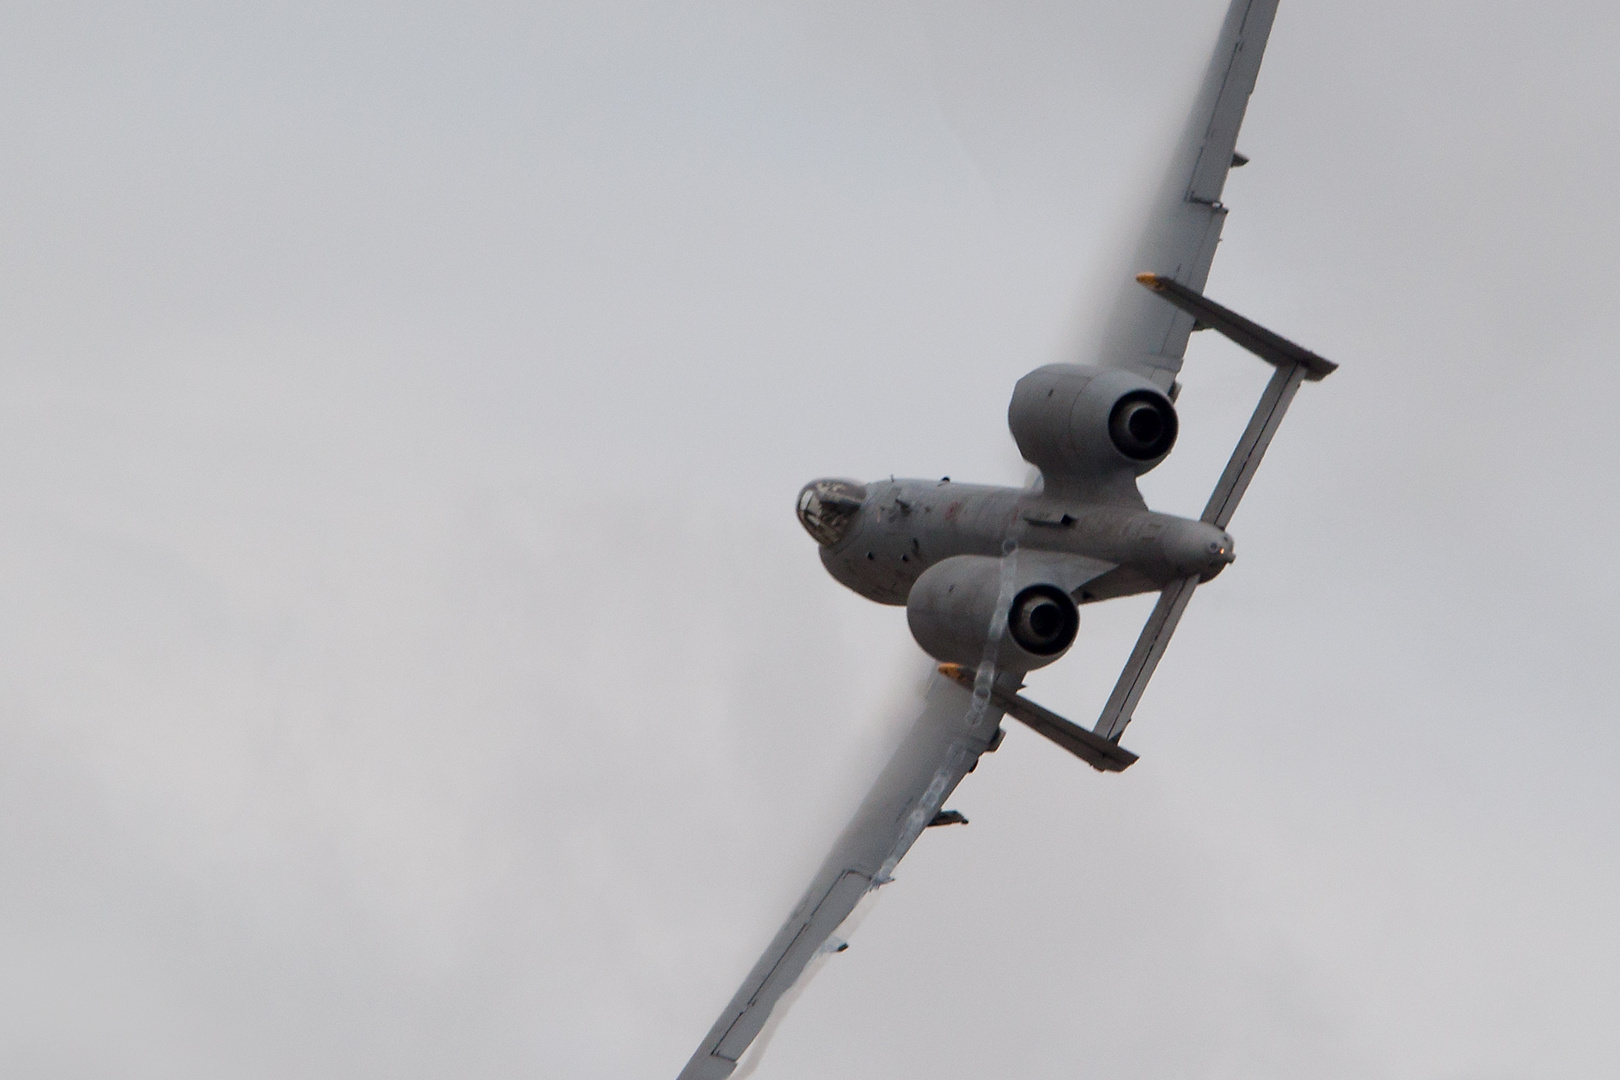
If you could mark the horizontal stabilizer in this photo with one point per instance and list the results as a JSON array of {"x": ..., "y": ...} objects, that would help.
[
  {"x": 1150, "y": 646},
  {"x": 1294, "y": 365},
  {"x": 1270, "y": 347},
  {"x": 1093, "y": 749}
]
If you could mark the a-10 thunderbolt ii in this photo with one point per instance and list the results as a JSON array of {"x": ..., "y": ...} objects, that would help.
[{"x": 992, "y": 578}]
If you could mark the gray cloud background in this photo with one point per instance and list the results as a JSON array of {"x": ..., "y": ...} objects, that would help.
[{"x": 409, "y": 663}]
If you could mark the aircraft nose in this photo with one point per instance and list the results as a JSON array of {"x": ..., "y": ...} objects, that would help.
[{"x": 828, "y": 508}]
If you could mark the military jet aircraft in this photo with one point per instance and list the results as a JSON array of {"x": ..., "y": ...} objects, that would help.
[{"x": 992, "y": 578}]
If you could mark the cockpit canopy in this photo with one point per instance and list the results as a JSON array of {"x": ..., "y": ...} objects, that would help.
[{"x": 827, "y": 509}]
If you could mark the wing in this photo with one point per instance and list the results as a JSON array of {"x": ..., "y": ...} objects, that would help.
[
  {"x": 942, "y": 746},
  {"x": 1186, "y": 216}
]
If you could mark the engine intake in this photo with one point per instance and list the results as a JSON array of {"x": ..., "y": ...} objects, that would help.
[
  {"x": 1090, "y": 428},
  {"x": 955, "y": 606},
  {"x": 1143, "y": 425},
  {"x": 1043, "y": 620}
]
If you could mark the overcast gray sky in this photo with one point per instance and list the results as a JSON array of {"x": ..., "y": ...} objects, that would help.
[{"x": 410, "y": 665}]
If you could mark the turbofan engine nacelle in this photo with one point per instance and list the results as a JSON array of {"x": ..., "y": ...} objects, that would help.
[
  {"x": 1090, "y": 424},
  {"x": 954, "y": 607}
]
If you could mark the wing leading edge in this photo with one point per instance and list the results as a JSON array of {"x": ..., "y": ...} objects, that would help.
[
  {"x": 942, "y": 746},
  {"x": 1184, "y": 228}
]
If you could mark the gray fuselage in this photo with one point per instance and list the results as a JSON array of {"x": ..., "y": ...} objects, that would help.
[{"x": 905, "y": 526}]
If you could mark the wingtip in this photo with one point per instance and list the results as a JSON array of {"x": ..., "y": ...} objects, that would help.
[{"x": 1150, "y": 280}]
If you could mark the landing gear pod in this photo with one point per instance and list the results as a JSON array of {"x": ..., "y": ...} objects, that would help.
[{"x": 955, "y": 612}]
